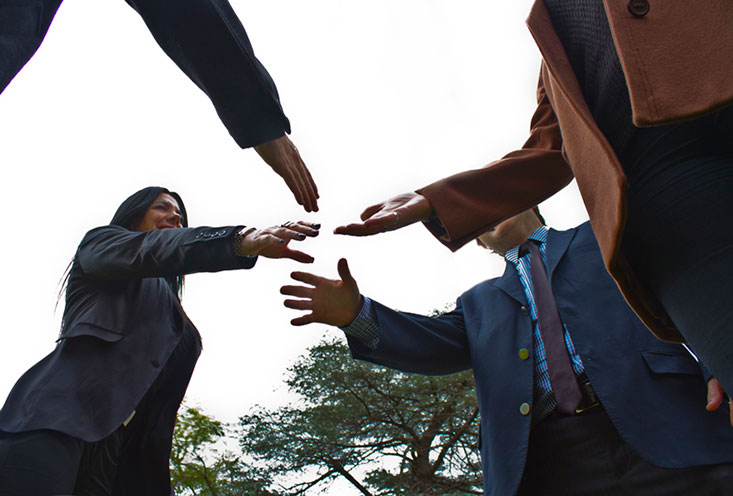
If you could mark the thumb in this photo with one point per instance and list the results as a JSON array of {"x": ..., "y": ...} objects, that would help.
[
  {"x": 715, "y": 395},
  {"x": 344, "y": 273}
]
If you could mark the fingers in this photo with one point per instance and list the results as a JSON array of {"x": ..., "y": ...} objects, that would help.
[
  {"x": 299, "y": 291},
  {"x": 715, "y": 395},
  {"x": 307, "y": 278},
  {"x": 369, "y": 211},
  {"x": 303, "y": 320},
  {"x": 298, "y": 256},
  {"x": 344, "y": 272},
  {"x": 299, "y": 304}
]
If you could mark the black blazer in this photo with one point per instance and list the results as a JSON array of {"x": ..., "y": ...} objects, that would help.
[
  {"x": 203, "y": 37},
  {"x": 121, "y": 322}
]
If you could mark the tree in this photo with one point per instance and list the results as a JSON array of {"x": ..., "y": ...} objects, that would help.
[
  {"x": 199, "y": 466},
  {"x": 355, "y": 418}
]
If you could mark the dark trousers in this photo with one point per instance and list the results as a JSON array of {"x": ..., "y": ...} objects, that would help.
[
  {"x": 45, "y": 462},
  {"x": 679, "y": 233},
  {"x": 584, "y": 455}
]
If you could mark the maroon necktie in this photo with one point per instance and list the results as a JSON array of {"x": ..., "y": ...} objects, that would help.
[{"x": 562, "y": 378}]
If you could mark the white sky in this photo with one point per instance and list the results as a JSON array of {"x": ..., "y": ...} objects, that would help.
[{"x": 383, "y": 96}]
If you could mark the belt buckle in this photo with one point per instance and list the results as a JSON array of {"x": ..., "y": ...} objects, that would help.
[{"x": 589, "y": 401}]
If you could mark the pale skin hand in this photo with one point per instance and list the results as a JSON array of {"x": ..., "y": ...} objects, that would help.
[
  {"x": 333, "y": 302},
  {"x": 273, "y": 242},
  {"x": 716, "y": 395},
  {"x": 395, "y": 213},
  {"x": 284, "y": 158}
]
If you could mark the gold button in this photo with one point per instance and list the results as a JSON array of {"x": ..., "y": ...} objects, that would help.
[
  {"x": 523, "y": 353},
  {"x": 524, "y": 408}
]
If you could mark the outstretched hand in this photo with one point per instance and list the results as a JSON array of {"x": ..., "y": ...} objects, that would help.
[
  {"x": 332, "y": 302},
  {"x": 273, "y": 242},
  {"x": 716, "y": 395},
  {"x": 399, "y": 211},
  {"x": 284, "y": 158}
]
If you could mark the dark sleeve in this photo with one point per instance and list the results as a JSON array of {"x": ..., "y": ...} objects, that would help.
[
  {"x": 23, "y": 25},
  {"x": 416, "y": 343},
  {"x": 469, "y": 203},
  {"x": 112, "y": 252},
  {"x": 208, "y": 42}
]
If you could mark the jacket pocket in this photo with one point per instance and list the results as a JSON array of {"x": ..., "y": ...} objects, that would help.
[
  {"x": 90, "y": 329},
  {"x": 668, "y": 363}
]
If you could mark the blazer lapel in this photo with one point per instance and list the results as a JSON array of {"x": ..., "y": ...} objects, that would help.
[
  {"x": 510, "y": 284},
  {"x": 557, "y": 244}
]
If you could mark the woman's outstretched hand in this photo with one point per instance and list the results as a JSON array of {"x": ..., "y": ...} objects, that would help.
[
  {"x": 274, "y": 242},
  {"x": 332, "y": 302}
]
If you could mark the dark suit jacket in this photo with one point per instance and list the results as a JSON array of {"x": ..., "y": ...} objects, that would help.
[
  {"x": 121, "y": 322},
  {"x": 203, "y": 37},
  {"x": 654, "y": 392}
]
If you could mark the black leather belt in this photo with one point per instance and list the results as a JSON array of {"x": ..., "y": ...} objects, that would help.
[{"x": 589, "y": 399}]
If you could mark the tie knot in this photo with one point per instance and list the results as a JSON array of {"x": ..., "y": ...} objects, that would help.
[{"x": 529, "y": 246}]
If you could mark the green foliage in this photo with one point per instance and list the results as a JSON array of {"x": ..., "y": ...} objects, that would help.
[{"x": 355, "y": 417}]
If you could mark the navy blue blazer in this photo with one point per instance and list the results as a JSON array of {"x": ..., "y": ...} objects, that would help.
[
  {"x": 121, "y": 322},
  {"x": 654, "y": 392},
  {"x": 203, "y": 37}
]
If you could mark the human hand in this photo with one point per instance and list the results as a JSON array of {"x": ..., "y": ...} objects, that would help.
[
  {"x": 716, "y": 395},
  {"x": 284, "y": 158},
  {"x": 399, "y": 211},
  {"x": 272, "y": 242},
  {"x": 332, "y": 302}
]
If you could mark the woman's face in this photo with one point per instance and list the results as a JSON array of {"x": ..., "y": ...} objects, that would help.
[{"x": 163, "y": 213}]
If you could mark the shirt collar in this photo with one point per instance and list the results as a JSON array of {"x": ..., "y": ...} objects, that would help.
[{"x": 539, "y": 234}]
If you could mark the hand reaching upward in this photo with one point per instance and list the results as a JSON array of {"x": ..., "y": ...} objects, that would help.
[
  {"x": 395, "y": 213},
  {"x": 332, "y": 302}
]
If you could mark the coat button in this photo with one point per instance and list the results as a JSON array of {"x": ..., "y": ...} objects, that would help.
[
  {"x": 638, "y": 8},
  {"x": 524, "y": 409},
  {"x": 524, "y": 310},
  {"x": 523, "y": 353}
]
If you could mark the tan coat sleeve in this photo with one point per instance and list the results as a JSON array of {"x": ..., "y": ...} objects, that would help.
[{"x": 471, "y": 202}]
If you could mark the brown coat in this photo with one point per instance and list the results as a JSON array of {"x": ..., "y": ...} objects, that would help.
[{"x": 678, "y": 63}]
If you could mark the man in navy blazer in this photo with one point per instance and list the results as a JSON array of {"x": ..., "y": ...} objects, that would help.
[
  {"x": 642, "y": 412},
  {"x": 208, "y": 43}
]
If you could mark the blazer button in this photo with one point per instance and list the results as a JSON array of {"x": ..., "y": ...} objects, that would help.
[
  {"x": 524, "y": 409},
  {"x": 524, "y": 310},
  {"x": 523, "y": 353},
  {"x": 638, "y": 8}
]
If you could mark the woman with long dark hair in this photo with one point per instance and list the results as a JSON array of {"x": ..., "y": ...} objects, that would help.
[{"x": 96, "y": 416}]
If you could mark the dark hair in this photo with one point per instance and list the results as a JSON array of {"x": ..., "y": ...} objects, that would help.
[
  {"x": 536, "y": 210},
  {"x": 128, "y": 215},
  {"x": 132, "y": 210}
]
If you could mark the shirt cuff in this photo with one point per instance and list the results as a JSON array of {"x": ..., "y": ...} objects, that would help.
[{"x": 364, "y": 327}]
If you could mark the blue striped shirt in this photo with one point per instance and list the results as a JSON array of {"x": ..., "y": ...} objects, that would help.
[{"x": 544, "y": 400}]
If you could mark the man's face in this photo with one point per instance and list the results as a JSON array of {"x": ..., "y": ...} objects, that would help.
[{"x": 496, "y": 239}]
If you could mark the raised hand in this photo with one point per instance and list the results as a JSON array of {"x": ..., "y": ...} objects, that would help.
[
  {"x": 273, "y": 242},
  {"x": 399, "y": 211},
  {"x": 716, "y": 395},
  {"x": 284, "y": 158},
  {"x": 332, "y": 302}
]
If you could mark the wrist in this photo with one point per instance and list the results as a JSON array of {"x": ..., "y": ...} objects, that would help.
[{"x": 240, "y": 249}]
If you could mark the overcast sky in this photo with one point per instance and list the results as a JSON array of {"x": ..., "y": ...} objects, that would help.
[{"x": 383, "y": 96}]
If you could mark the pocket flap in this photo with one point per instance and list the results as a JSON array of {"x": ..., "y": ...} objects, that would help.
[
  {"x": 89, "y": 329},
  {"x": 667, "y": 363}
]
